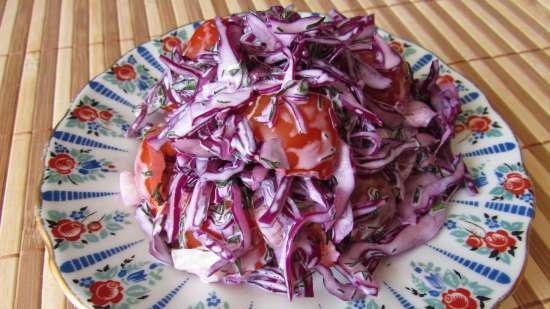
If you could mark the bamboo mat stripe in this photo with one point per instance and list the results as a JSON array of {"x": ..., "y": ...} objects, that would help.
[{"x": 51, "y": 48}]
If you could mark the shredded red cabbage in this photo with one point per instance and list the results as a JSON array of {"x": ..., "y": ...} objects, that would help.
[{"x": 226, "y": 204}]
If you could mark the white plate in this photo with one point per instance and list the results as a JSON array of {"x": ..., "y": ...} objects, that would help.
[{"x": 100, "y": 256}]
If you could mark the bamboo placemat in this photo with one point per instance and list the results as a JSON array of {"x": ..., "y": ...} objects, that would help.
[{"x": 49, "y": 50}]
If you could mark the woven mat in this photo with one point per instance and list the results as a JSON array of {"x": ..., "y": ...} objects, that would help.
[{"x": 49, "y": 50}]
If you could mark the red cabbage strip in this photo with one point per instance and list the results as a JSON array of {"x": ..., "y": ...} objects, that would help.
[
  {"x": 316, "y": 194},
  {"x": 172, "y": 223},
  {"x": 367, "y": 207},
  {"x": 229, "y": 68},
  {"x": 240, "y": 217},
  {"x": 225, "y": 173},
  {"x": 344, "y": 291},
  {"x": 424, "y": 189},
  {"x": 288, "y": 248},
  {"x": 344, "y": 224},
  {"x": 279, "y": 201},
  {"x": 190, "y": 118},
  {"x": 198, "y": 205},
  {"x": 214, "y": 245},
  {"x": 301, "y": 25},
  {"x": 268, "y": 278},
  {"x": 390, "y": 56},
  {"x": 345, "y": 179},
  {"x": 157, "y": 245},
  {"x": 376, "y": 165},
  {"x": 262, "y": 32},
  {"x": 410, "y": 237},
  {"x": 180, "y": 68},
  {"x": 444, "y": 100}
]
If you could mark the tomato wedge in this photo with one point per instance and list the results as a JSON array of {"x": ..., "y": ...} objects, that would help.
[
  {"x": 152, "y": 170},
  {"x": 309, "y": 153},
  {"x": 204, "y": 38}
]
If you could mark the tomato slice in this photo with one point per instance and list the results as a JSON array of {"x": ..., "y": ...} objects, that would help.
[
  {"x": 311, "y": 153},
  {"x": 190, "y": 241},
  {"x": 153, "y": 170},
  {"x": 204, "y": 38}
]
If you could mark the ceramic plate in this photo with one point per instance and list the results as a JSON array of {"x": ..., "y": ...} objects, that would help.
[{"x": 100, "y": 256}]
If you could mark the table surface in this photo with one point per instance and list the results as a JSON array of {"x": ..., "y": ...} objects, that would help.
[{"x": 49, "y": 50}]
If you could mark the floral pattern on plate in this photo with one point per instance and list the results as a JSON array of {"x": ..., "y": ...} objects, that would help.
[
  {"x": 131, "y": 76},
  {"x": 72, "y": 165},
  {"x": 476, "y": 124},
  {"x": 479, "y": 175},
  {"x": 212, "y": 301},
  {"x": 96, "y": 118},
  {"x": 489, "y": 236},
  {"x": 81, "y": 227},
  {"x": 513, "y": 184},
  {"x": 168, "y": 42},
  {"x": 447, "y": 288},
  {"x": 403, "y": 48},
  {"x": 121, "y": 286}
]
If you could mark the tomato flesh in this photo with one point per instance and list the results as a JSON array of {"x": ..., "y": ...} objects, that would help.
[
  {"x": 309, "y": 153},
  {"x": 153, "y": 170},
  {"x": 204, "y": 38}
]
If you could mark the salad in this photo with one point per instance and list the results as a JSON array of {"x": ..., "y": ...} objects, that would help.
[{"x": 277, "y": 146}]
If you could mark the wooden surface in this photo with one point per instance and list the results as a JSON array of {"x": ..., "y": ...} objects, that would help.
[{"x": 49, "y": 50}]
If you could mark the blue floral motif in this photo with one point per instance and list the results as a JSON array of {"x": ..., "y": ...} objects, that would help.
[
  {"x": 481, "y": 180},
  {"x": 132, "y": 59},
  {"x": 89, "y": 165},
  {"x": 86, "y": 282},
  {"x": 478, "y": 135},
  {"x": 77, "y": 215},
  {"x": 450, "y": 224},
  {"x": 435, "y": 281},
  {"x": 213, "y": 300},
  {"x": 491, "y": 223},
  {"x": 359, "y": 304},
  {"x": 125, "y": 127},
  {"x": 460, "y": 86},
  {"x": 479, "y": 175},
  {"x": 122, "y": 273},
  {"x": 86, "y": 167},
  {"x": 59, "y": 148},
  {"x": 137, "y": 276},
  {"x": 528, "y": 198},
  {"x": 153, "y": 265},
  {"x": 364, "y": 303},
  {"x": 93, "y": 126},
  {"x": 142, "y": 85},
  {"x": 119, "y": 217},
  {"x": 434, "y": 293}
]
